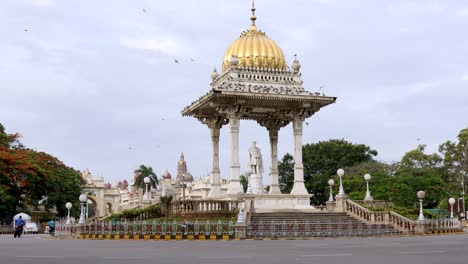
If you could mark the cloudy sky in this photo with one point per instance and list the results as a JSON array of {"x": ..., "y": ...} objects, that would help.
[{"x": 95, "y": 84}]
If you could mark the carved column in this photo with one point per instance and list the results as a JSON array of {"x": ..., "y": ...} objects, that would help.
[
  {"x": 273, "y": 126},
  {"x": 274, "y": 187},
  {"x": 298, "y": 187},
  {"x": 234, "y": 183},
  {"x": 214, "y": 124}
]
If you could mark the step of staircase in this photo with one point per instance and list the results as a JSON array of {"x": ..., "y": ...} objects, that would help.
[{"x": 313, "y": 225}]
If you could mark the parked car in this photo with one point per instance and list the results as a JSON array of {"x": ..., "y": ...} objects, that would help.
[{"x": 31, "y": 227}]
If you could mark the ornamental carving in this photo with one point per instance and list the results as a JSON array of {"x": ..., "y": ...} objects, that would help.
[{"x": 259, "y": 88}]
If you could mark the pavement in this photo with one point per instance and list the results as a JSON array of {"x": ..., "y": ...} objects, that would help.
[{"x": 39, "y": 249}]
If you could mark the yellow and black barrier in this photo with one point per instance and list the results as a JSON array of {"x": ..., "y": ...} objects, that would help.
[
  {"x": 155, "y": 237},
  {"x": 448, "y": 231}
]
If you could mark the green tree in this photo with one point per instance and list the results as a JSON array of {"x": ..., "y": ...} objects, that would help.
[
  {"x": 28, "y": 176},
  {"x": 244, "y": 181},
  {"x": 321, "y": 161},
  {"x": 455, "y": 160},
  {"x": 143, "y": 172}
]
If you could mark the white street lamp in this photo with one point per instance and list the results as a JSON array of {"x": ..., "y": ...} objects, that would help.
[
  {"x": 68, "y": 206},
  {"x": 147, "y": 181},
  {"x": 87, "y": 208},
  {"x": 189, "y": 189},
  {"x": 368, "y": 197},
  {"x": 421, "y": 195},
  {"x": 340, "y": 173},
  {"x": 331, "y": 182},
  {"x": 83, "y": 198},
  {"x": 451, "y": 202}
]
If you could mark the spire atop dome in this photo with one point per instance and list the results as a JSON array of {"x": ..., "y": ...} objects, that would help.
[{"x": 253, "y": 17}]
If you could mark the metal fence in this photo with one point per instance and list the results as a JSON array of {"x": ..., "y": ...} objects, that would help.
[
  {"x": 163, "y": 228},
  {"x": 316, "y": 229}
]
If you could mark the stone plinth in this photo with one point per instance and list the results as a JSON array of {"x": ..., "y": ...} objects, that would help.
[
  {"x": 421, "y": 226},
  {"x": 340, "y": 204},
  {"x": 331, "y": 206},
  {"x": 282, "y": 202},
  {"x": 256, "y": 184}
]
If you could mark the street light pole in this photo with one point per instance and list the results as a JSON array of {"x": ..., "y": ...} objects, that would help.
[
  {"x": 421, "y": 195},
  {"x": 368, "y": 197},
  {"x": 341, "y": 192},
  {"x": 451, "y": 202},
  {"x": 331, "y": 182},
  {"x": 147, "y": 182},
  {"x": 68, "y": 206},
  {"x": 83, "y": 198}
]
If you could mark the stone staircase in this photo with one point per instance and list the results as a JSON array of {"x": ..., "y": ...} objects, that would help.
[{"x": 313, "y": 224}]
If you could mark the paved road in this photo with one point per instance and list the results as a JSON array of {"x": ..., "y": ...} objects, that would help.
[{"x": 402, "y": 250}]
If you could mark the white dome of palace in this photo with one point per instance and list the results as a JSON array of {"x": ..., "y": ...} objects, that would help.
[{"x": 255, "y": 49}]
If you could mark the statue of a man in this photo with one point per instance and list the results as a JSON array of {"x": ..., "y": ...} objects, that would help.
[{"x": 255, "y": 157}]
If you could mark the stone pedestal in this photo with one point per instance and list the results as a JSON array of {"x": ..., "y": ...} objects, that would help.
[
  {"x": 264, "y": 203},
  {"x": 240, "y": 230},
  {"x": 256, "y": 184},
  {"x": 421, "y": 226},
  {"x": 78, "y": 230},
  {"x": 331, "y": 206},
  {"x": 340, "y": 204}
]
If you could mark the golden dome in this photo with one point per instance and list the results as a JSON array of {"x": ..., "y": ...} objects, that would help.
[{"x": 254, "y": 49}]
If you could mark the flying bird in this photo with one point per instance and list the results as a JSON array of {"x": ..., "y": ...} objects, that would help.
[
  {"x": 321, "y": 87},
  {"x": 418, "y": 139},
  {"x": 143, "y": 10},
  {"x": 26, "y": 30},
  {"x": 306, "y": 123},
  {"x": 176, "y": 61},
  {"x": 192, "y": 60}
]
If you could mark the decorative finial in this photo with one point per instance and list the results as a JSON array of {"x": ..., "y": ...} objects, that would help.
[
  {"x": 253, "y": 17},
  {"x": 296, "y": 66},
  {"x": 214, "y": 74}
]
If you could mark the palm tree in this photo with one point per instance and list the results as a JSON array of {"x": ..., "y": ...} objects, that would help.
[
  {"x": 143, "y": 172},
  {"x": 244, "y": 181}
]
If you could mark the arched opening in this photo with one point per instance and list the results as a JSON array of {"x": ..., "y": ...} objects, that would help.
[
  {"x": 108, "y": 208},
  {"x": 91, "y": 209}
]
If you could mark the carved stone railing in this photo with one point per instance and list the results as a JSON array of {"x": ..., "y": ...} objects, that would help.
[
  {"x": 204, "y": 207},
  {"x": 403, "y": 224},
  {"x": 380, "y": 204},
  {"x": 397, "y": 221}
]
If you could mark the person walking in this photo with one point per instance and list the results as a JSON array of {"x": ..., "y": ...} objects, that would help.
[
  {"x": 19, "y": 224},
  {"x": 51, "y": 224}
]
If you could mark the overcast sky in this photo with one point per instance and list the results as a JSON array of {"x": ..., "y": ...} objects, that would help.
[{"x": 94, "y": 83}]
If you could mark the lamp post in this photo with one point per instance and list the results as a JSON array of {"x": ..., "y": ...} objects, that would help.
[
  {"x": 87, "y": 208},
  {"x": 189, "y": 189},
  {"x": 368, "y": 197},
  {"x": 451, "y": 202},
  {"x": 68, "y": 206},
  {"x": 421, "y": 195},
  {"x": 331, "y": 182},
  {"x": 340, "y": 173},
  {"x": 83, "y": 198},
  {"x": 147, "y": 181}
]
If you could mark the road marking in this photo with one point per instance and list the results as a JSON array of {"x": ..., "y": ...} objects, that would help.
[
  {"x": 422, "y": 252},
  {"x": 235, "y": 257},
  {"x": 327, "y": 255},
  {"x": 40, "y": 257},
  {"x": 312, "y": 245},
  {"x": 123, "y": 257}
]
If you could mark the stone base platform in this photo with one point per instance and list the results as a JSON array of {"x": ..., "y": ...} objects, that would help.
[{"x": 265, "y": 203}]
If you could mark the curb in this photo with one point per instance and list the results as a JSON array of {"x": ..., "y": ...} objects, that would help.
[{"x": 156, "y": 237}]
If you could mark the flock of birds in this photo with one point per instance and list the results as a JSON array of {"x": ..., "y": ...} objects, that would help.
[{"x": 176, "y": 61}]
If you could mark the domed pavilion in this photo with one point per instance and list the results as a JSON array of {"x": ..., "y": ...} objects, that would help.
[{"x": 257, "y": 84}]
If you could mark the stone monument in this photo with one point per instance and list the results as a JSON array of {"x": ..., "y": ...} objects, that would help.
[{"x": 256, "y": 166}]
